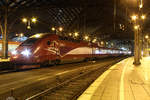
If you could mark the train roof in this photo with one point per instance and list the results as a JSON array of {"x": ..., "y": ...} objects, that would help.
[{"x": 42, "y": 35}]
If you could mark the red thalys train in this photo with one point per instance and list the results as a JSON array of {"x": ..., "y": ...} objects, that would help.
[{"x": 53, "y": 49}]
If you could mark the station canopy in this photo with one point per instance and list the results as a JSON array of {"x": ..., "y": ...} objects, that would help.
[{"x": 107, "y": 19}]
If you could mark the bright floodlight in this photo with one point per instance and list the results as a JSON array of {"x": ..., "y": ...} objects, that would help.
[
  {"x": 24, "y": 20},
  {"x": 28, "y": 27},
  {"x": 143, "y": 17},
  {"x": 140, "y": 6},
  {"x": 76, "y": 34},
  {"x": 146, "y": 36},
  {"x": 94, "y": 40},
  {"x": 53, "y": 29},
  {"x": 134, "y": 17},
  {"x": 136, "y": 27},
  {"x": 102, "y": 43},
  {"x": 70, "y": 34},
  {"x": 21, "y": 34},
  {"x": 60, "y": 29},
  {"x": 86, "y": 37},
  {"x": 34, "y": 20}
]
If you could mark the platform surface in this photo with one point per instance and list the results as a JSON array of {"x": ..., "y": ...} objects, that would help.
[{"x": 122, "y": 81}]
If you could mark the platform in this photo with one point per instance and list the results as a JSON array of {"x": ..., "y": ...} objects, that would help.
[{"x": 123, "y": 81}]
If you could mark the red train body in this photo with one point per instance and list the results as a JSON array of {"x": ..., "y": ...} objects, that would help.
[{"x": 51, "y": 48}]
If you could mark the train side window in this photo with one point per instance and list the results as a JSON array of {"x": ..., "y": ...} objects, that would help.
[{"x": 48, "y": 42}]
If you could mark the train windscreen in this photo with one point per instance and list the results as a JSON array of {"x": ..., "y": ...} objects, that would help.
[{"x": 29, "y": 41}]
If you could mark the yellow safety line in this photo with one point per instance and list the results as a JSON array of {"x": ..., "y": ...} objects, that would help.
[
  {"x": 97, "y": 81},
  {"x": 122, "y": 82}
]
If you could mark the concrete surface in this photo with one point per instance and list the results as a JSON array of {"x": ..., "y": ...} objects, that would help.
[{"x": 123, "y": 81}]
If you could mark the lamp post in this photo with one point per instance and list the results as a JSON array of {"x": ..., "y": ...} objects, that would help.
[
  {"x": 57, "y": 30},
  {"x": 136, "y": 45},
  {"x": 28, "y": 21},
  {"x": 136, "y": 40},
  {"x": 137, "y": 35},
  {"x": 145, "y": 49}
]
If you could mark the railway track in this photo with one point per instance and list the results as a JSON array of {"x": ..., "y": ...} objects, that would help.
[
  {"x": 72, "y": 88},
  {"x": 7, "y": 71},
  {"x": 50, "y": 80}
]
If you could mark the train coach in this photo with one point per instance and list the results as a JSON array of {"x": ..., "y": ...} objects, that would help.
[
  {"x": 54, "y": 49},
  {"x": 12, "y": 45}
]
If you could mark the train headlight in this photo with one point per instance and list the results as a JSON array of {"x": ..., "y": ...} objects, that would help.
[
  {"x": 26, "y": 52},
  {"x": 14, "y": 52}
]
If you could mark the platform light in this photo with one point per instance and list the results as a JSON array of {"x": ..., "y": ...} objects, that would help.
[
  {"x": 86, "y": 37},
  {"x": 102, "y": 42},
  {"x": 24, "y": 20},
  {"x": 34, "y": 20},
  {"x": 28, "y": 27},
  {"x": 143, "y": 17},
  {"x": 94, "y": 40},
  {"x": 17, "y": 34},
  {"x": 107, "y": 43},
  {"x": 70, "y": 34},
  {"x": 21, "y": 34},
  {"x": 136, "y": 27},
  {"x": 53, "y": 29},
  {"x": 60, "y": 29},
  {"x": 134, "y": 17},
  {"x": 76, "y": 34},
  {"x": 140, "y": 6},
  {"x": 146, "y": 37}
]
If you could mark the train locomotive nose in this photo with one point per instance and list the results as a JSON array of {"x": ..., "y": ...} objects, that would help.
[{"x": 23, "y": 55}]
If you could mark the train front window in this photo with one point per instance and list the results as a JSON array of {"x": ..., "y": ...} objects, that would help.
[{"x": 29, "y": 41}]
